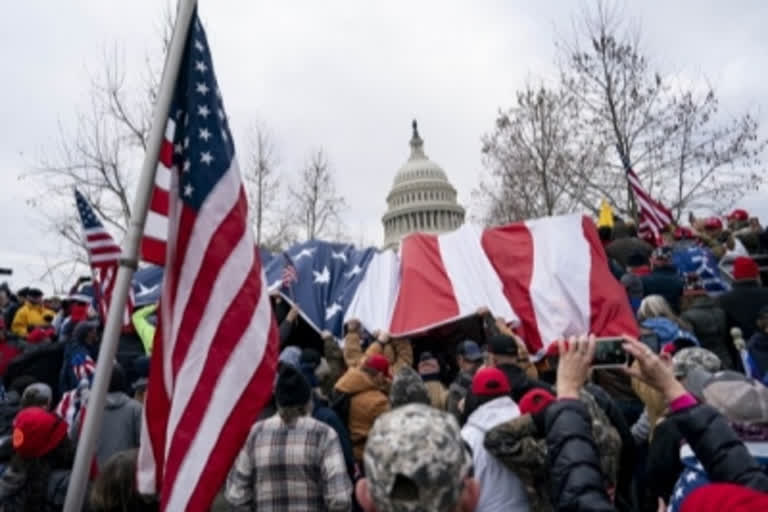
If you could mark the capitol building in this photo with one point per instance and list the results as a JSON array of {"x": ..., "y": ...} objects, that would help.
[{"x": 421, "y": 200}]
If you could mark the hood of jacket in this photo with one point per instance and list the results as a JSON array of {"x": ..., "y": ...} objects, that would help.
[
  {"x": 356, "y": 381},
  {"x": 116, "y": 400},
  {"x": 493, "y": 413}
]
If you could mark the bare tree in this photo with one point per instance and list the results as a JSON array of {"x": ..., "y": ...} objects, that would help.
[
  {"x": 101, "y": 156},
  {"x": 677, "y": 145},
  {"x": 316, "y": 204},
  {"x": 260, "y": 180},
  {"x": 533, "y": 158}
]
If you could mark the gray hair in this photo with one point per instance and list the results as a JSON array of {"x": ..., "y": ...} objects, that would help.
[
  {"x": 38, "y": 394},
  {"x": 655, "y": 306}
]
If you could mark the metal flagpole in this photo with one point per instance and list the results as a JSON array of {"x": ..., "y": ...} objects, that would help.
[{"x": 128, "y": 263}]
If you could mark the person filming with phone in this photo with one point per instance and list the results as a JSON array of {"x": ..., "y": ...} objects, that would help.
[{"x": 577, "y": 481}]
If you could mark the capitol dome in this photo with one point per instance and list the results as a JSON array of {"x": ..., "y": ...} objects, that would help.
[{"x": 421, "y": 200}]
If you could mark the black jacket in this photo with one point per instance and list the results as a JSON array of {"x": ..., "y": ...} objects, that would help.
[
  {"x": 666, "y": 282},
  {"x": 709, "y": 325},
  {"x": 742, "y": 304},
  {"x": 577, "y": 482},
  {"x": 520, "y": 383}
]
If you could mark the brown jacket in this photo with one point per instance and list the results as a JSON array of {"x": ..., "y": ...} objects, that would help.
[{"x": 367, "y": 402}]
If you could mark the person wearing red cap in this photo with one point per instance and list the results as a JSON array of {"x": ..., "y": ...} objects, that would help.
[
  {"x": 730, "y": 497},
  {"x": 488, "y": 405},
  {"x": 38, "y": 474},
  {"x": 743, "y": 303},
  {"x": 738, "y": 219},
  {"x": 364, "y": 390}
]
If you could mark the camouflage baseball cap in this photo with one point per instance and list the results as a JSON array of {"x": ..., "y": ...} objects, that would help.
[
  {"x": 408, "y": 388},
  {"x": 694, "y": 357},
  {"x": 415, "y": 460}
]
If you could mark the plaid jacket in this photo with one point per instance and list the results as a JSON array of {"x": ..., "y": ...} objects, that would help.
[{"x": 298, "y": 467}]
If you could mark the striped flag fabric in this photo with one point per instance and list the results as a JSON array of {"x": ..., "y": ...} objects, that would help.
[
  {"x": 654, "y": 216},
  {"x": 215, "y": 349},
  {"x": 104, "y": 258}
]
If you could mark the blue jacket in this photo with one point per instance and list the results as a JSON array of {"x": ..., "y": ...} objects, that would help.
[{"x": 322, "y": 412}]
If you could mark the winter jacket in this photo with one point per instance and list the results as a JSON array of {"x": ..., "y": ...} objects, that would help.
[
  {"x": 758, "y": 355},
  {"x": 9, "y": 407},
  {"x": 144, "y": 328},
  {"x": 367, "y": 402},
  {"x": 29, "y": 315},
  {"x": 500, "y": 489},
  {"x": 710, "y": 327},
  {"x": 666, "y": 282},
  {"x": 321, "y": 412},
  {"x": 457, "y": 392},
  {"x": 577, "y": 480},
  {"x": 519, "y": 382},
  {"x": 742, "y": 305},
  {"x": 520, "y": 445},
  {"x": 12, "y": 484},
  {"x": 120, "y": 428}
]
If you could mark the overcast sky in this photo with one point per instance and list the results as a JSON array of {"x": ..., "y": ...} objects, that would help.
[{"x": 345, "y": 75}]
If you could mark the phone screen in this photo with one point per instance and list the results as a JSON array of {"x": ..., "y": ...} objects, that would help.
[
  {"x": 609, "y": 352},
  {"x": 651, "y": 340}
]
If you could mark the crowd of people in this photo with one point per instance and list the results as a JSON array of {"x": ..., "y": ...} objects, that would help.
[{"x": 459, "y": 419}]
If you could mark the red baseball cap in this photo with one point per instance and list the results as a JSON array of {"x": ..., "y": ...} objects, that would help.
[
  {"x": 745, "y": 267},
  {"x": 379, "y": 363},
  {"x": 713, "y": 223},
  {"x": 36, "y": 432},
  {"x": 535, "y": 401},
  {"x": 490, "y": 382},
  {"x": 738, "y": 214}
]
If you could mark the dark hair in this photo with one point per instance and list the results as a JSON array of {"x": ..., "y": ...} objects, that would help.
[
  {"x": 117, "y": 381},
  {"x": 33, "y": 497},
  {"x": 115, "y": 488}
]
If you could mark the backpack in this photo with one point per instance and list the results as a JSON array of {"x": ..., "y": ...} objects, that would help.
[{"x": 340, "y": 404}]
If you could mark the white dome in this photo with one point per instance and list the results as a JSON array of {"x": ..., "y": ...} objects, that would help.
[{"x": 422, "y": 199}]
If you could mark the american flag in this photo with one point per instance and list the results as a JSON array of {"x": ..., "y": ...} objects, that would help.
[
  {"x": 104, "y": 257},
  {"x": 215, "y": 349},
  {"x": 289, "y": 271},
  {"x": 654, "y": 216}
]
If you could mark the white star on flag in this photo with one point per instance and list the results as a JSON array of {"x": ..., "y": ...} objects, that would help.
[
  {"x": 355, "y": 270},
  {"x": 187, "y": 165},
  {"x": 200, "y": 66},
  {"x": 202, "y": 88},
  {"x": 205, "y": 134},
  {"x": 206, "y": 158},
  {"x": 304, "y": 252},
  {"x": 203, "y": 111},
  {"x": 177, "y": 148},
  {"x": 339, "y": 256},
  {"x": 323, "y": 277},
  {"x": 332, "y": 310},
  {"x": 188, "y": 190}
]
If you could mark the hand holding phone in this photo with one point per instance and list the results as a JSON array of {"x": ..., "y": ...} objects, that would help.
[{"x": 610, "y": 353}]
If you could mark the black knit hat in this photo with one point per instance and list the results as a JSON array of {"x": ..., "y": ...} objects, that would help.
[{"x": 292, "y": 388}]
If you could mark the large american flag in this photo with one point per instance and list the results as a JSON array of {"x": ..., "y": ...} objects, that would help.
[
  {"x": 215, "y": 350},
  {"x": 653, "y": 216},
  {"x": 104, "y": 257}
]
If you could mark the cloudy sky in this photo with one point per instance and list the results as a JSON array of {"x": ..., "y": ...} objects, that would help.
[{"x": 345, "y": 75}]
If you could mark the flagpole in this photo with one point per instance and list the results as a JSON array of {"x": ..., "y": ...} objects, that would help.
[{"x": 129, "y": 261}]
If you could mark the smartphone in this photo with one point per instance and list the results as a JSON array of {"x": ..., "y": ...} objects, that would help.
[{"x": 610, "y": 353}]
